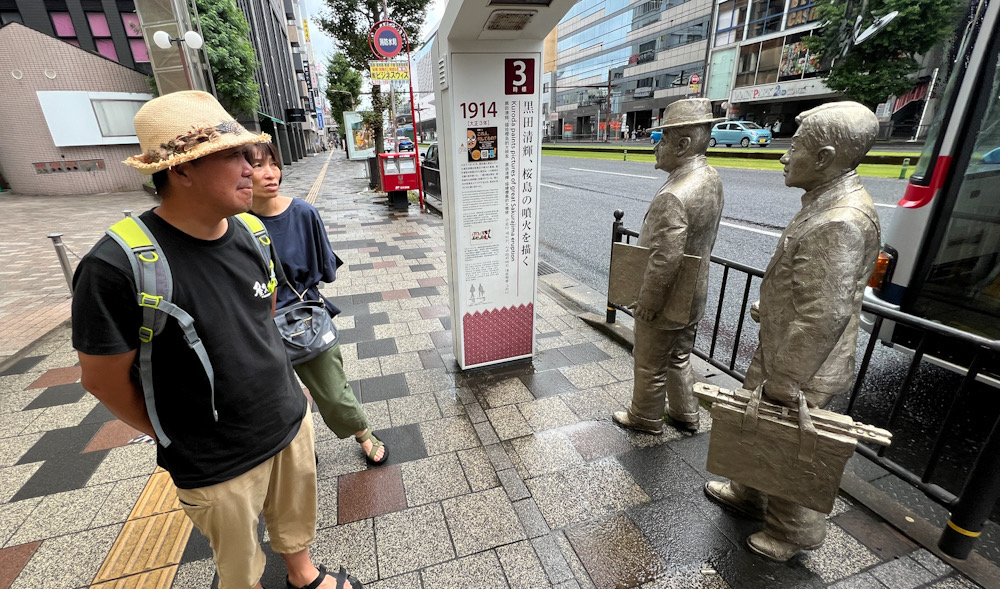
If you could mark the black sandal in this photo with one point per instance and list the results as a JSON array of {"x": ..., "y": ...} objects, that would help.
[
  {"x": 376, "y": 444},
  {"x": 340, "y": 577}
]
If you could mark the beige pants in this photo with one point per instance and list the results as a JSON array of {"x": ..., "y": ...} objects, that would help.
[{"x": 283, "y": 488}]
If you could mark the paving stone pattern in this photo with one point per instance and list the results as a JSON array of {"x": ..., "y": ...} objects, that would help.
[{"x": 509, "y": 477}]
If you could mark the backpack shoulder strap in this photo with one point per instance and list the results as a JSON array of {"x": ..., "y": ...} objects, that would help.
[
  {"x": 263, "y": 240},
  {"x": 154, "y": 290}
]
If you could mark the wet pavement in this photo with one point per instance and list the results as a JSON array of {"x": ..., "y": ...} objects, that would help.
[{"x": 506, "y": 477}]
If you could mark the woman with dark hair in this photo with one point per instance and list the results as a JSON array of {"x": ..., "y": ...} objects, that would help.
[{"x": 303, "y": 248}]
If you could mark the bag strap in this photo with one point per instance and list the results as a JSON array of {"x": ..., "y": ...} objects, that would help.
[
  {"x": 808, "y": 436},
  {"x": 263, "y": 240},
  {"x": 748, "y": 428},
  {"x": 154, "y": 289}
]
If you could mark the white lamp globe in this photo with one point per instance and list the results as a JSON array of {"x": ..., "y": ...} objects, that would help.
[
  {"x": 193, "y": 40},
  {"x": 161, "y": 39}
]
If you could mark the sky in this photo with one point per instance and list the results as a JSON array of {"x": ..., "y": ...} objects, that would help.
[{"x": 323, "y": 45}]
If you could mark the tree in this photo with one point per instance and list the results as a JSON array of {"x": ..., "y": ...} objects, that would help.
[
  {"x": 230, "y": 55},
  {"x": 884, "y": 63},
  {"x": 349, "y": 22},
  {"x": 341, "y": 78}
]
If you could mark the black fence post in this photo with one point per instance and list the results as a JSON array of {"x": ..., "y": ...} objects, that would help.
[
  {"x": 616, "y": 237},
  {"x": 973, "y": 507}
]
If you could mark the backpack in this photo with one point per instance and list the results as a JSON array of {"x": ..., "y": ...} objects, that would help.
[{"x": 154, "y": 289}]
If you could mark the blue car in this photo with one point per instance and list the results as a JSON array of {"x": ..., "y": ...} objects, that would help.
[
  {"x": 404, "y": 143},
  {"x": 654, "y": 136},
  {"x": 745, "y": 133}
]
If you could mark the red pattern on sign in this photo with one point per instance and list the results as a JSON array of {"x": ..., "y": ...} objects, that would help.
[{"x": 498, "y": 334}]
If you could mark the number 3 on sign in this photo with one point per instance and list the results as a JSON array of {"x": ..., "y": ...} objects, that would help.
[{"x": 519, "y": 76}]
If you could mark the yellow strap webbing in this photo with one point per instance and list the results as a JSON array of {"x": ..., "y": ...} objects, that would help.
[
  {"x": 255, "y": 224},
  {"x": 133, "y": 235}
]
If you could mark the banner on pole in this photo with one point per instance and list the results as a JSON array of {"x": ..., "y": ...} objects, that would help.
[{"x": 388, "y": 71}]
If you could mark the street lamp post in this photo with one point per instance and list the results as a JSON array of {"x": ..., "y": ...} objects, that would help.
[
  {"x": 163, "y": 40},
  {"x": 344, "y": 92}
]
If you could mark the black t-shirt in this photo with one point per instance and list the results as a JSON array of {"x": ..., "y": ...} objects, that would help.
[{"x": 218, "y": 282}]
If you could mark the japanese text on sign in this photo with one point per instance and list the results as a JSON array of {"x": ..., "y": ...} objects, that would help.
[{"x": 388, "y": 71}]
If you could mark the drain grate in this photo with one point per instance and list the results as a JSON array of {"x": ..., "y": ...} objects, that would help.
[{"x": 544, "y": 268}]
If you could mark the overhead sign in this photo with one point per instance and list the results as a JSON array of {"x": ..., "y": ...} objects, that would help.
[
  {"x": 493, "y": 217},
  {"x": 386, "y": 41},
  {"x": 388, "y": 71}
]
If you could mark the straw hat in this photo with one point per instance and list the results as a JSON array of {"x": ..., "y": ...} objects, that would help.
[
  {"x": 690, "y": 111},
  {"x": 184, "y": 126}
]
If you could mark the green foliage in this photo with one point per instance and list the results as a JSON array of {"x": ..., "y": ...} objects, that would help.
[
  {"x": 341, "y": 78},
  {"x": 884, "y": 63},
  {"x": 349, "y": 22},
  {"x": 230, "y": 55}
]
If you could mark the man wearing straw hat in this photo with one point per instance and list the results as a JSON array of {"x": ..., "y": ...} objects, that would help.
[
  {"x": 679, "y": 231},
  {"x": 244, "y": 446}
]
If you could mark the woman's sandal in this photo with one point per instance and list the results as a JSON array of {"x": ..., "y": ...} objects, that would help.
[
  {"x": 376, "y": 444},
  {"x": 340, "y": 577}
]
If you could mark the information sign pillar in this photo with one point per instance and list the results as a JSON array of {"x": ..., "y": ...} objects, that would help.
[{"x": 488, "y": 86}]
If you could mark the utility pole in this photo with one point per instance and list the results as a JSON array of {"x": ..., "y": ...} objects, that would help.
[{"x": 392, "y": 92}]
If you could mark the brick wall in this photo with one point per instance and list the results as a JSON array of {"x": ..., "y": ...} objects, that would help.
[{"x": 24, "y": 136}]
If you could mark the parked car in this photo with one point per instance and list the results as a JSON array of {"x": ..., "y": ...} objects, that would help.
[
  {"x": 743, "y": 132},
  {"x": 404, "y": 143},
  {"x": 654, "y": 136},
  {"x": 430, "y": 170}
]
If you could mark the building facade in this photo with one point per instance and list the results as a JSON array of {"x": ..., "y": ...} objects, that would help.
[
  {"x": 648, "y": 54},
  {"x": 109, "y": 28},
  {"x": 67, "y": 121},
  {"x": 759, "y": 68}
]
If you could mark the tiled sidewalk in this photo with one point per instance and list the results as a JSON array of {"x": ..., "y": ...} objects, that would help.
[{"x": 512, "y": 477}]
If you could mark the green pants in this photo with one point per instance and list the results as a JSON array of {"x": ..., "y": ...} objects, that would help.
[{"x": 324, "y": 377}]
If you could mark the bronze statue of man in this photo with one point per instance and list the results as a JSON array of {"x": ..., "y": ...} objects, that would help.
[
  {"x": 810, "y": 300},
  {"x": 679, "y": 230}
]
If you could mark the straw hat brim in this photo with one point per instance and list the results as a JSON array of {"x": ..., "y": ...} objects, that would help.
[
  {"x": 225, "y": 141},
  {"x": 707, "y": 121}
]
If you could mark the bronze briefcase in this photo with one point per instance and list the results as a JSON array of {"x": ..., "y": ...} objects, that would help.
[{"x": 796, "y": 454}]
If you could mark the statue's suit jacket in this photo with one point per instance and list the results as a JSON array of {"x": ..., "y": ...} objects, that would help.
[
  {"x": 811, "y": 293},
  {"x": 683, "y": 218}
]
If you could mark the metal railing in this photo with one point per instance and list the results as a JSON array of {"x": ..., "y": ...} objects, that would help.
[{"x": 971, "y": 508}]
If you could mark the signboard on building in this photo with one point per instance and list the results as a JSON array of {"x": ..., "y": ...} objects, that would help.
[
  {"x": 643, "y": 92},
  {"x": 305, "y": 29},
  {"x": 794, "y": 89},
  {"x": 388, "y": 71},
  {"x": 497, "y": 106}
]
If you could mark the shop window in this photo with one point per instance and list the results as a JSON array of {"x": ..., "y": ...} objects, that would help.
[
  {"x": 746, "y": 72},
  {"x": 801, "y": 12},
  {"x": 732, "y": 17},
  {"x": 770, "y": 58},
  {"x": 765, "y": 17},
  {"x": 796, "y": 61},
  {"x": 63, "y": 25}
]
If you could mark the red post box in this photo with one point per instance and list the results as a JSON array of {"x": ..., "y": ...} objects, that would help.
[{"x": 399, "y": 171}]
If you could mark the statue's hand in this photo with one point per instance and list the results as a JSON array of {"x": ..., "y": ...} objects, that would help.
[
  {"x": 783, "y": 391},
  {"x": 644, "y": 313},
  {"x": 755, "y": 311}
]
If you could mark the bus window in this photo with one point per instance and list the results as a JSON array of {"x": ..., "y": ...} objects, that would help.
[{"x": 962, "y": 287}]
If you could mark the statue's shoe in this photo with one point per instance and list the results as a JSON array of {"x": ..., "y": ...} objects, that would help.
[
  {"x": 688, "y": 427},
  {"x": 723, "y": 494},
  {"x": 622, "y": 418},
  {"x": 776, "y": 550}
]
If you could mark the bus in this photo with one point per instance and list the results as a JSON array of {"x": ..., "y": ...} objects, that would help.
[{"x": 941, "y": 258}]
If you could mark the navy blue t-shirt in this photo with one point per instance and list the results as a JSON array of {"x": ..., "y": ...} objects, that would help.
[{"x": 300, "y": 239}]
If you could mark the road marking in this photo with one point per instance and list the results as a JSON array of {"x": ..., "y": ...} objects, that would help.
[
  {"x": 613, "y": 173},
  {"x": 754, "y": 230},
  {"x": 878, "y": 204},
  {"x": 551, "y": 186}
]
